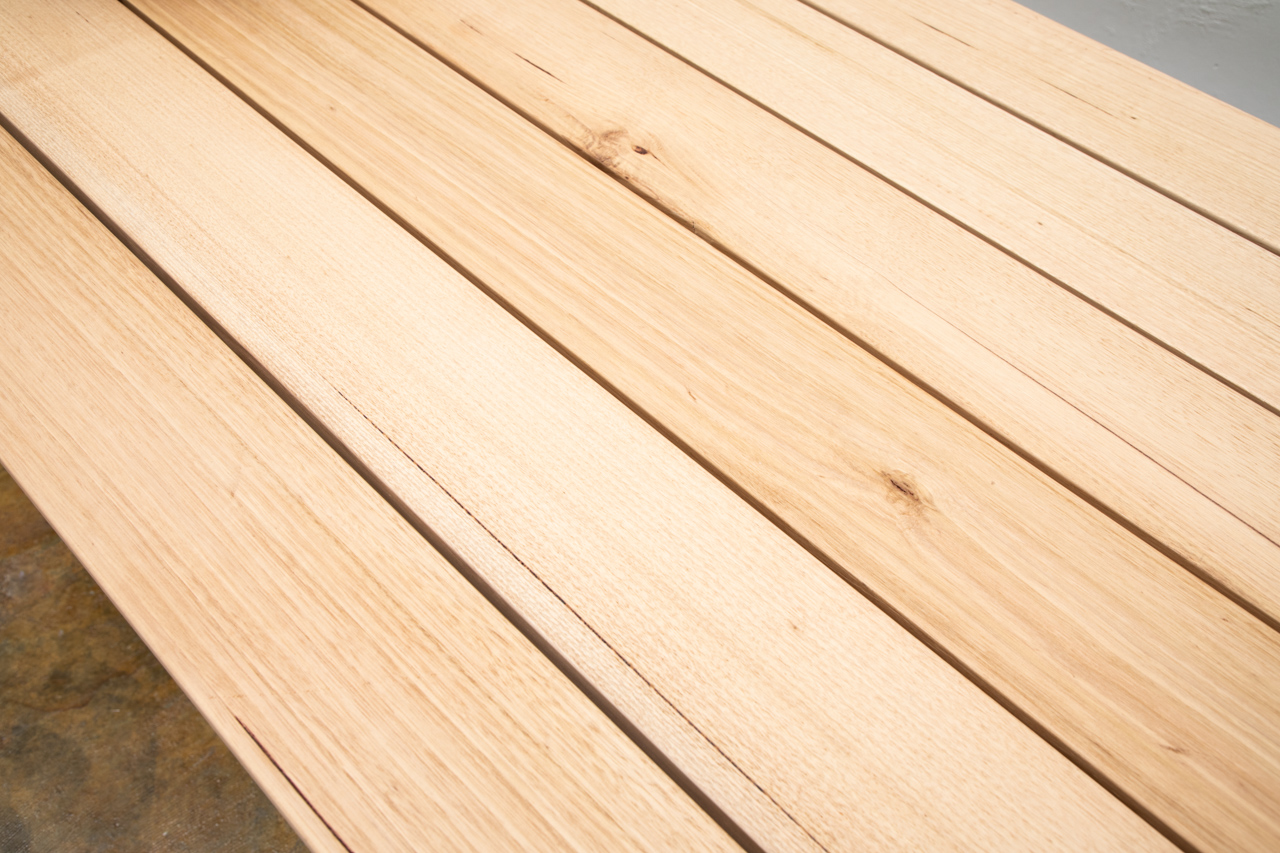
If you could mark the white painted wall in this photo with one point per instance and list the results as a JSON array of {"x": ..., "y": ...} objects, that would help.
[{"x": 1228, "y": 48}]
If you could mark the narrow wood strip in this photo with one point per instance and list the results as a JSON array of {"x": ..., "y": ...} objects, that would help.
[
  {"x": 851, "y": 730},
  {"x": 1085, "y": 396},
  {"x": 1200, "y": 289},
  {"x": 1206, "y": 153},
  {"x": 293, "y": 604},
  {"x": 905, "y": 495}
]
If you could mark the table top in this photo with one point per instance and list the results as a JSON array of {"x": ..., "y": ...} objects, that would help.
[{"x": 698, "y": 423}]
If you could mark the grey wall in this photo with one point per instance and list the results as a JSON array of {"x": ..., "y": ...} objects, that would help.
[{"x": 1228, "y": 48}]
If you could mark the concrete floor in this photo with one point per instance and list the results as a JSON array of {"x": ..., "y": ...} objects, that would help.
[{"x": 99, "y": 749}]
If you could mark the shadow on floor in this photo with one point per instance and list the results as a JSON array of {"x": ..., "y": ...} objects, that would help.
[{"x": 99, "y": 748}]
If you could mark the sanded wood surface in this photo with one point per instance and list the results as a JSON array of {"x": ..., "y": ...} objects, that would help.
[
  {"x": 1113, "y": 413},
  {"x": 1194, "y": 147},
  {"x": 535, "y": 336},
  {"x": 1200, "y": 289},
  {"x": 292, "y": 603},
  {"x": 902, "y": 493},
  {"x": 854, "y": 734}
]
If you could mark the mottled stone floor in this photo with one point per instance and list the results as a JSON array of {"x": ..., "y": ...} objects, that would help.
[{"x": 99, "y": 749}]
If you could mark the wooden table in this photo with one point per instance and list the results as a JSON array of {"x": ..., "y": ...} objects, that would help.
[{"x": 684, "y": 424}]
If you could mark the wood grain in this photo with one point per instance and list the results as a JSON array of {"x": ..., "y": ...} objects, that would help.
[
  {"x": 1208, "y": 154},
  {"x": 295, "y": 607},
  {"x": 838, "y": 729},
  {"x": 903, "y": 494},
  {"x": 1111, "y": 413},
  {"x": 1198, "y": 288}
]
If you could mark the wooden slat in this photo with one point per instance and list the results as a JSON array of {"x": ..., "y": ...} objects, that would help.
[
  {"x": 294, "y": 606},
  {"x": 808, "y": 424},
  {"x": 825, "y": 721},
  {"x": 1113, "y": 414},
  {"x": 1192, "y": 146},
  {"x": 1200, "y": 289}
]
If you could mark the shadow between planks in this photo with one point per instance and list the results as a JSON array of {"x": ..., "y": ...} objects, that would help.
[{"x": 909, "y": 495}]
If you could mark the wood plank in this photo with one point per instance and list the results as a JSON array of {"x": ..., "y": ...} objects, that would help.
[
  {"x": 294, "y": 605},
  {"x": 827, "y": 723},
  {"x": 1113, "y": 414},
  {"x": 1201, "y": 290},
  {"x": 799, "y": 418},
  {"x": 1197, "y": 149}
]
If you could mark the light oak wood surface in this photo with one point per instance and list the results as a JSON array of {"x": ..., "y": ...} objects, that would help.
[
  {"x": 1199, "y": 289},
  {"x": 292, "y": 603},
  {"x": 853, "y": 734},
  {"x": 1212, "y": 156},
  {"x": 1113, "y": 414},
  {"x": 819, "y": 437},
  {"x": 734, "y": 644}
]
